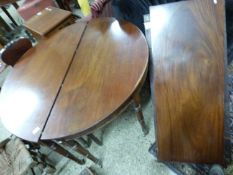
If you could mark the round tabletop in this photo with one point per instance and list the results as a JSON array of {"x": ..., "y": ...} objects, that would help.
[{"x": 106, "y": 64}]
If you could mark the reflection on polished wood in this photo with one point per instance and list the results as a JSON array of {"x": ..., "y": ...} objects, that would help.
[
  {"x": 109, "y": 65},
  {"x": 74, "y": 81},
  {"x": 29, "y": 92},
  {"x": 188, "y": 79},
  {"x": 47, "y": 20}
]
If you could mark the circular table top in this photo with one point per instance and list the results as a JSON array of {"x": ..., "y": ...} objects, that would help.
[{"x": 79, "y": 78}]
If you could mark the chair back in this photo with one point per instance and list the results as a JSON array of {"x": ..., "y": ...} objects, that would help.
[{"x": 13, "y": 51}]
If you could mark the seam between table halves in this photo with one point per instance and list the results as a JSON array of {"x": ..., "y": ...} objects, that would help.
[{"x": 59, "y": 90}]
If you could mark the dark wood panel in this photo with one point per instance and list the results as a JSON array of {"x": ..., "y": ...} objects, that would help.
[
  {"x": 31, "y": 88},
  {"x": 47, "y": 20},
  {"x": 188, "y": 79},
  {"x": 6, "y": 2},
  {"x": 108, "y": 66}
]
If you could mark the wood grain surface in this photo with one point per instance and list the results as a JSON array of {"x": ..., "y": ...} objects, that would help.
[
  {"x": 29, "y": 92},
  {"x": 109, "y": 64},
  {"x": 188, "y": 79},
  {"x": 48, "y": 19}
]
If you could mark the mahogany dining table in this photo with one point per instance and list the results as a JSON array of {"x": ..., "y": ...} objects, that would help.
[{"x": 75, "y": 81}]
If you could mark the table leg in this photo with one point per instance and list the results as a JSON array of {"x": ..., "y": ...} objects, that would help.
[
  {"x": 83, "y": 151},
  {"x": 95, "y": 139},
  {"x": 38, "y": 156},
  {"x": 59, "y": 149},
  {"x": 87, "y": 143},
  {"x": 32, "y": 171},
  {"x": 138, "y": 110},
  {"x": 15, "y": 5},
  {"x": 9, "y": 15}
]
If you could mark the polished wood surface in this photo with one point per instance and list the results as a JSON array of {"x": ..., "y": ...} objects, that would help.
[
  {"x": 188, "y": 79},
  {"x": 47, "y": 20},
  {"x": 109, "y": 64},
  {"x": 30, "y": 90}
]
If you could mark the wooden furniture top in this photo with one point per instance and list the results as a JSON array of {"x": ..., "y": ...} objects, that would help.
[
  {"x": 5, "y": 2},
  {"x": 107, "y": 68},
  {"x": 45, "y": 21},
  {"x": 188, "y": 79},
  {"x": 64, "y": 88},
  {"x": 30, "y": 90}
]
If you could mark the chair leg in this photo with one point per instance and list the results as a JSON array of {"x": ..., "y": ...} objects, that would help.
[
  {"x": 45, "y": 161},
  {"x": 138, "y": 110},
  {"x": 95, "y": 139},
  {"x": 59, "y": 149},
  {"x": 84, "y": 151}
]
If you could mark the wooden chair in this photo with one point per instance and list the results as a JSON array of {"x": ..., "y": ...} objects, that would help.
[
  {"x": 13, "y": 51},
  {"x": 14, "y": 158},
  {"x": 32, "y": 7}
]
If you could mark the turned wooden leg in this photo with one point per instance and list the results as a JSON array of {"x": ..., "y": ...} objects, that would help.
[
  {"x": 83, "y": 151},
  {"x": 15, "y": 5},
  {"x": 32, "y": 171},
  {"x": 85, "y": 143},
  {"x": 59, "y": 149},
  {"x": 95, "y": 139},
  {"x": 138, "y": 110}
]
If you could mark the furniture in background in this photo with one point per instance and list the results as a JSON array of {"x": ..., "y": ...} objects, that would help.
[
  {"x": 64, "y": 4},
  {"x": 6, "y": 2},
  {"x": 48, "y": 20},
  {"x": 32, "y": 7},
  {"x": 187, "y": 80}
]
